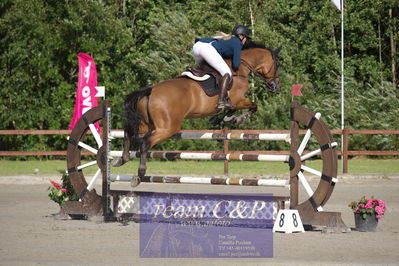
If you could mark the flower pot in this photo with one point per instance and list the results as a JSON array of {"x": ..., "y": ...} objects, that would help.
[{"x": 366, "y": 225}]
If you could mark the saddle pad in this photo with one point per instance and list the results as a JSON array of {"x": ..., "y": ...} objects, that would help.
[
  {"x": 192, "y": 76},
  {"x": 209, "y": 85}
]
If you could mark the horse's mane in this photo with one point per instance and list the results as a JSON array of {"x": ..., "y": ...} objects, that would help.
[{"x": 251, "y": 44}]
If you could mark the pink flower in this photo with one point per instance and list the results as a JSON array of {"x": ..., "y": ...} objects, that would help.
[
  {"x": 64, "y": 190},
  {"x": 379, "y": 210},
  {"x": 381, "y": 203},
  {"x": 55, "y": 184},
  {"x": 369, "y": 204}
]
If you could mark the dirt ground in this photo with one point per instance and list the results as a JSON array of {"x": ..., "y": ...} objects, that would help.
[{"x": 30, "y": 235}]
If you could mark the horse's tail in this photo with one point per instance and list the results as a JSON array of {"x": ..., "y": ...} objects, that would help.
[{"x": 132, "y": 116}]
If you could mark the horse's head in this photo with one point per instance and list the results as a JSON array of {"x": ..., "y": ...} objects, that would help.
[
  {"x": 264, "y": 62},
  {"x": 269, "y": 71}
]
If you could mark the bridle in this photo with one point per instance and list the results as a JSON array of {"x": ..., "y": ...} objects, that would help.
[{"x": 270, "y": 82}]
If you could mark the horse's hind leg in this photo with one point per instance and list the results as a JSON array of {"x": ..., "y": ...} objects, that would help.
[
  {"x": 149, "y": 141},
  {"x": 125, "y": 155},
  {"x": 144, "y": 147},
  {"x": 143, "y": 158},
  {"x": 126, "y": 148}
]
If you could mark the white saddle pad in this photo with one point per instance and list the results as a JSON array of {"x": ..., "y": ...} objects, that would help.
[{"x": 191, "y": 76}]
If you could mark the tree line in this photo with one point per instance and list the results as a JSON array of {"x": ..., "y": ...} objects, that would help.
[{"x": 136, "y": 43}]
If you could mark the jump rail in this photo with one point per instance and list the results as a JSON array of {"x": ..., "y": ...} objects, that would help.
[{"x": 311, "y": 210}]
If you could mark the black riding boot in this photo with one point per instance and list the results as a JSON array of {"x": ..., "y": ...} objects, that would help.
[{"x": 225, "y": 85}]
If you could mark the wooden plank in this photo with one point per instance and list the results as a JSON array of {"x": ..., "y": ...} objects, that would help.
[
  {"x": 374, "y": 132},
  {"x": 63, "y": 153},
  {"x": 35, "y": 132},
  {"x": 345, "y": 133},
  {"x": 252, "y": 131},
  {"x": 38, "y": 153},
  {"x": 375, "y": 153}
]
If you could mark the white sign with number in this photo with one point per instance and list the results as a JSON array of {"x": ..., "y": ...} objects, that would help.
[{"x": 288, "y": 221}]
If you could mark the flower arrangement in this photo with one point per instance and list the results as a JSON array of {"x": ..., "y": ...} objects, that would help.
[
  {"x": 62, "y": 192},
  {"x": 371, "y": 206}
]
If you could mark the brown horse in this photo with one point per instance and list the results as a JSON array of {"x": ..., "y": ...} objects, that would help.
[{"x": 157, "y": 112}]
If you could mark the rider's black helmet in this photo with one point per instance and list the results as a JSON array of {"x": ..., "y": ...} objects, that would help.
[{"x": 241, "y": 29}]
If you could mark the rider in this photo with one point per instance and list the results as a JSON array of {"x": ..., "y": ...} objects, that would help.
[{"x": 213, "y": 50}]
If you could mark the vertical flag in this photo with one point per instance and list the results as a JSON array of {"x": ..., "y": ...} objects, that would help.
[
  {"x": 86, "y": 91},
  {"x": 337, "y": 3},
  {"x": 296, "y": 90}
]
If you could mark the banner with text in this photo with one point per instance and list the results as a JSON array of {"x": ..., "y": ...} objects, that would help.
[
  {"x": 86, "y": 91},
  {"x": 206, "y": 225}
]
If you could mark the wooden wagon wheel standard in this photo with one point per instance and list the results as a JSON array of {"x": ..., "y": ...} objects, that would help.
[
  {"x": 89, "y": 202},
  {"x": 328, "y": 175}
]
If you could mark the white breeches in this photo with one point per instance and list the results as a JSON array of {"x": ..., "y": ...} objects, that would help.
[{"x": 206, "y": 52}]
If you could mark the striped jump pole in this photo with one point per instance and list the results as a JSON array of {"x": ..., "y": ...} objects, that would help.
[
  {"x": 204, "y": 180},
  {"x": 219, "y": 136},
  {"x": 206, "y": 156}
]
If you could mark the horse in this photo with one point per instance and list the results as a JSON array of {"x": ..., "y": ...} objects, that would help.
[{"x": 154, "y": 114}]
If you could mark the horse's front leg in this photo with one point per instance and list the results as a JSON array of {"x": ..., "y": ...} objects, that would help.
[
  {"x": 219, "y": 119},
  {"x": 244, "y": 104}
]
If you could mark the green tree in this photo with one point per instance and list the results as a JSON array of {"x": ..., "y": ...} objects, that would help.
[
  {"x": 40, "y": 42},
  {"x": 139, "y": 42},
  {"x": 169, "y": 46}
]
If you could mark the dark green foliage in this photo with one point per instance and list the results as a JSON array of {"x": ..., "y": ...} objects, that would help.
[{"x": 136, "y": 43}]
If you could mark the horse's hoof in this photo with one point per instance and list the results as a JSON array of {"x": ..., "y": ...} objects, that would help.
[
  {"x": 239, "y": 121},
  {"x": 125, "y": 157},
  {"x": 141, "y": 172},
  {"x": 135, "y": 181},
  {"x": 117, "y": 162}
]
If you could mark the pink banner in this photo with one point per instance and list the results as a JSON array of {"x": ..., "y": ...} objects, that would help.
[{"x": 86, "y": 91}]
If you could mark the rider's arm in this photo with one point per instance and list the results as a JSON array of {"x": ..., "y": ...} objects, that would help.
[{"x": 236, "y": 57}]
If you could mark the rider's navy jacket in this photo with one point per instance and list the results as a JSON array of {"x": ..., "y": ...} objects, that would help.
[{"x": 230, "y": 49}]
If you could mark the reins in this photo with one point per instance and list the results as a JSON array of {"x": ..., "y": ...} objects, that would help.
[{"x": 253, "y": 70}]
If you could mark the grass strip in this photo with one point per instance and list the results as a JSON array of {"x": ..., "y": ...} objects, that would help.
[{"x": 56, "y": 167}]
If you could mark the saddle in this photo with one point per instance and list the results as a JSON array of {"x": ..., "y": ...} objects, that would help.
[{"x": 206, "y": 76}]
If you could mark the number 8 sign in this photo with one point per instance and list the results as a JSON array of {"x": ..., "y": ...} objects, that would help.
[{"x": 288, "y": 221}]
